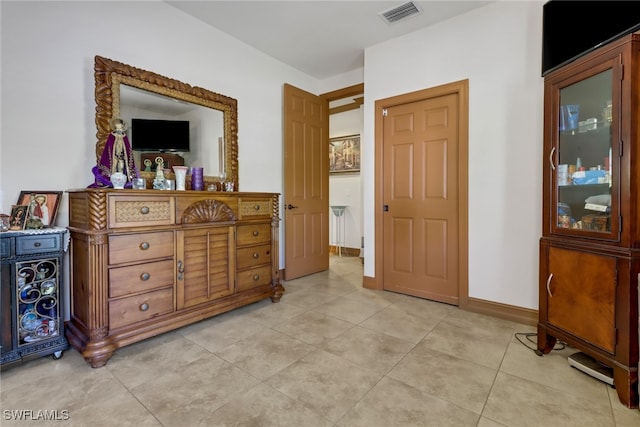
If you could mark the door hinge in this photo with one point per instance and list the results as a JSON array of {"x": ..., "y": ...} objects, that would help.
[
  {"x": 385, "y": 112},
  {"x": 620, "y": 150}
]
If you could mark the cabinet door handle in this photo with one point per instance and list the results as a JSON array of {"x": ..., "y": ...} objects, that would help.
[
  {"x": 255, "y": 233},
  {"x": 144, "y": 210},
  {"x": 256, "y": 277},
  {"x": 551, "y": 163},
  {"x": 145, "y": 276},
  {"x": 144, "y": 246},
  {"x": 257, "y": 207},
  {"x": 256, "y": 255},
  {"x": 180, "y": 270},
  {"x": 549, "y": 284},
  {"x": 37, "y": 244},
  {"x": 144, "y": 307}
]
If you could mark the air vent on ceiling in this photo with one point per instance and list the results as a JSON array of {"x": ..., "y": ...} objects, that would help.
[{"x": 398, "y": 13}]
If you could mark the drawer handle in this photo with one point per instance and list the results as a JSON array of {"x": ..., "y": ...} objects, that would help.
[
  {"x": 144, "y": 246},
  {"x": 144, "y": 210},
  {"x": 256, "y": 277},
  {"x": 548, "y": 284},
  {"x": 255, "y": 233},
  {"x": 37, "y": 244},
  {"x": 256, "y": 255},
  {"x": 257, "y": 207},
  {"x": 145, "y": 276},
  {"x": 144, "y": 307}
]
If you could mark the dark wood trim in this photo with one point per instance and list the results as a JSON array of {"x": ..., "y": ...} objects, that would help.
[
  {"x": 357, "y": 102},
  {"x": 347, "y": 92}
]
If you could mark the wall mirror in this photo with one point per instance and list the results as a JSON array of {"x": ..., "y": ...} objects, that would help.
[{"x": 128, "y": 92}]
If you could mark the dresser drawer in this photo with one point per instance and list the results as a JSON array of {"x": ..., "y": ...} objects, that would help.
[
  {"x": 252, "y": 256},
  {"x": 254, "y": 208},
  {"x": 139, "y": 278},
  {"x": 40, "y": 243},
  {"x": 252, "y": 234},
  {"x": 5, "y": 248},
  {"x": 249, "y": 279},
  {"x": 130, "y": 310},
  {"x": 140, "y": 247},
  {"x": 136, "y": 211}
]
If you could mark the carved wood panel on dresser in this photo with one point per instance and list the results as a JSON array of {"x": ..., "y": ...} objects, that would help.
[{"x": 144, "y": 262}]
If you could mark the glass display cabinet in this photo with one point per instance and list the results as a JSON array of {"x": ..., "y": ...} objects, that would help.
[
  {"x": 590, "y": 245},
  {"x": 31, "y": 305},
  {"x": 582, "y": 156}
]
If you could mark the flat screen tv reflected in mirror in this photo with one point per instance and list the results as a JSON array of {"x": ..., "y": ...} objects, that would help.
[{"x": 160, "y": 135}]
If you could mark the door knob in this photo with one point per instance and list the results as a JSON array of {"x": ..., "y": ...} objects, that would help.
[{"x": 290, "y": 206}]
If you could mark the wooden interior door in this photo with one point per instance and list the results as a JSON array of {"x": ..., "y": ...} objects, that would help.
[
  {"x": 421, "y": 186},
  {"x": 306, "y": 187}
]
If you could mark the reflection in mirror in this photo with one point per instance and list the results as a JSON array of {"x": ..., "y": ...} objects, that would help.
[
  {"x": 127, "y": 92},
  {"x": 206, "y": 126}
]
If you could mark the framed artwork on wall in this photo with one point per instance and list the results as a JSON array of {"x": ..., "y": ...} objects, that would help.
[
  {"x": 344, "y": 154},
  {"x": 42, "y": 205}
]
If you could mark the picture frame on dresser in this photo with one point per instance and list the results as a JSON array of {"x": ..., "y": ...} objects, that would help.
[
  {"x": 45, "y": 203},
  {"x": 18, "y": 217}
]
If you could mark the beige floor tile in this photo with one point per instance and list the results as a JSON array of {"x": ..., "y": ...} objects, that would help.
[
  {"x": 308, "y": 298},
  {"x": 191, "y": 396},
  {"x": 395, "y": 321},
  {"x": 447, "y": 377},
  {"x": 314, "y": 328},
  {"x": 551, "y": 370},
  {"x": 326, "y": 383},
  {"x": 369, "y": 349},
  {"x": 350, "y": 309},
  {"x": 221, "y": 331},
  {"x": 471, "y": 343},
  {"x": 265, "y": 354},
  {"x": 393, "y": 403},
  {"x": 264, "y": 406},
  {"x": 140, "y": 362},
  {"x": 518, "y": 402}
]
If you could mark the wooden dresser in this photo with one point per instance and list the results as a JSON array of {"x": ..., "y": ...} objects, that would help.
[{"x": 144, "y": 262}]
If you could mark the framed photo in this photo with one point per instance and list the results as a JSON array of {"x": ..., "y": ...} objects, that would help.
[
  {"x": 42, "y": 205},
  {"x": 18, "y": 217},
  {"x": 344, "y": 154}
]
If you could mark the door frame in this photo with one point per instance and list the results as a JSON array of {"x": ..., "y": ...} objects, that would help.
[{"x": 460, "y": 88}]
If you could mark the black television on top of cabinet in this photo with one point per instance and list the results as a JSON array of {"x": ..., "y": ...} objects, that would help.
[{"x": 571, "y": 28}]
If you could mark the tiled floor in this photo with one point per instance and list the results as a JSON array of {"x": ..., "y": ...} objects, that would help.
[{"x": 329, "y": 354}]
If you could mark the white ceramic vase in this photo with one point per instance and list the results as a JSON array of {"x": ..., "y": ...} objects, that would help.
[
  {"x": 181, "y": 176},
  {"x": 118, "y": 180}
]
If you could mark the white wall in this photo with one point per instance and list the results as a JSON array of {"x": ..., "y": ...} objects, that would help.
[
  {"x": 498, "y": 48},
  {"x": 48, "y": 107},
  {"x": 346, "y": 190},
  {"x": 47, "y": 134}
]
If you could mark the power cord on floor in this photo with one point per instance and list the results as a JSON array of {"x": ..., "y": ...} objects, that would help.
[{"x": 528, "y": 336}]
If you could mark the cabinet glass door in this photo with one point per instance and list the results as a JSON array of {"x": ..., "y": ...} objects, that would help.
[
  {"x": 37, "y": 300},
  {"x": 584, "y": 166}
]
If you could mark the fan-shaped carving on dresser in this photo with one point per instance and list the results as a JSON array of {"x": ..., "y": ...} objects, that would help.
[{"x": 207, "y": 211}]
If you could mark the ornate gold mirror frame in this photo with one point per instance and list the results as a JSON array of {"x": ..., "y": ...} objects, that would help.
[{"x": 109, "y": 75}]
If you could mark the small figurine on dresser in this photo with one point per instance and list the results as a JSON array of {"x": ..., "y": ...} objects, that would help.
[{"x": 117, "y": 158}]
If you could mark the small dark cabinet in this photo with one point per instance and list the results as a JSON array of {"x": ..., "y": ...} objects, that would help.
[{"x": 31, "y": 297}]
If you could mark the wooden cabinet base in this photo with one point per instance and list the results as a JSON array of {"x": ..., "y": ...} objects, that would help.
[{"x": 145, "y": 262}]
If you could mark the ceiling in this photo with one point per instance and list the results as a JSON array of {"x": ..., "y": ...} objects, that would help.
[{"x": 320, "y": 38}]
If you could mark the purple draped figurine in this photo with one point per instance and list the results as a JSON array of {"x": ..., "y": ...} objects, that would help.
[{"x": 116, "y": 157}]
